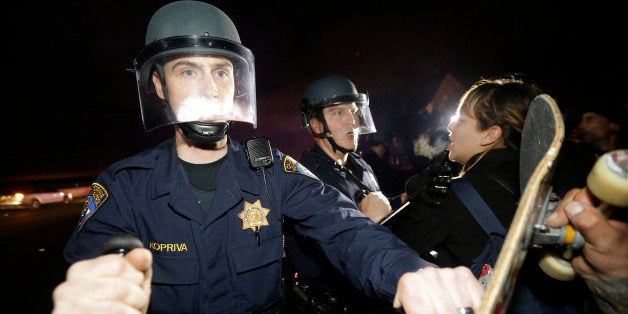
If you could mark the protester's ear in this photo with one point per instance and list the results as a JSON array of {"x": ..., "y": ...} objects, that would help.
[{"x": 492, "y": 135}]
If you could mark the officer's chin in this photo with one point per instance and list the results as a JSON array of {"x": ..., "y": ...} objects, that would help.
[{"x": 352, "y": 148}]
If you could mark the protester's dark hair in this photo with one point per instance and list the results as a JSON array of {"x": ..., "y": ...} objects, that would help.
[{"x": 501, "y": 101}]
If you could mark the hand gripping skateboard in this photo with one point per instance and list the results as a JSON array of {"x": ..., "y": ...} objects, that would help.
[
  {"x": 541, "y": 140},
  {"x": 542, "y": 137},
  {"x": 608, "y": 181}
]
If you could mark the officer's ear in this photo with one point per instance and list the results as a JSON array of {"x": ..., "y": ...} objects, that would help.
[
  {"x": 316, "y": 125},
  {"x": 159, "y": 89},
  {"x": 305, "y": 120}
]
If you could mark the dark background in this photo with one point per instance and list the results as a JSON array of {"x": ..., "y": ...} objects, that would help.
[{"x": 71, "y": 107}]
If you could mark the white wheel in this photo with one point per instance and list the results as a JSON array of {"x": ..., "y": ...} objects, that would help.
[
  {"x": 557, "y": 267},
  {"x": 608, "y": 180}
]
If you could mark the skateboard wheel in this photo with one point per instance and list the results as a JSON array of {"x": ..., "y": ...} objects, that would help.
[
  {"x": 557, "y": 267},
  {"x": 608, "y": 180}
]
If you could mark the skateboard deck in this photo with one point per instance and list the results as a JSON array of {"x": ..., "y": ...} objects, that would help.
[{"x": 541, "y": 140}]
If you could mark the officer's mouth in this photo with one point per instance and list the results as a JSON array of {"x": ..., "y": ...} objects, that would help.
[{"x": 351, "y": 134}]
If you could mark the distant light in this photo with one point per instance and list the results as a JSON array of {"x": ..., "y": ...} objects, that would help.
[{"x": 455, "y": 117}]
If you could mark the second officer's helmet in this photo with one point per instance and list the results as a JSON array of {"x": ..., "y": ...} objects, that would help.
[
  {"x": 332, "y": 91},
  {"x": 194, "y": 28}
]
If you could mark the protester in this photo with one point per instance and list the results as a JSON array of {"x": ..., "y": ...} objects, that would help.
[{"x": 485, "y": 138}]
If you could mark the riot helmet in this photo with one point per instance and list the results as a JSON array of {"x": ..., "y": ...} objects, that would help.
[
  {"x": 195, "y": 29},
  {"x": 332, "y": 91}
]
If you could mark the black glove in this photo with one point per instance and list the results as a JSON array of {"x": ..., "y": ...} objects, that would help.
[{"x": 431, "y": 185}]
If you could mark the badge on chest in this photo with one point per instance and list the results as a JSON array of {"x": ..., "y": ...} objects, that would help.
[{"x": 253, "y": 216}]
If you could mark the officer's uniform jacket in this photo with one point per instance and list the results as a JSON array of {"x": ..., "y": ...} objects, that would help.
[
  {"x": 326, "y": 169},
  {"x": 215, "y": 263},
  {"x": 312, "y": 267}
]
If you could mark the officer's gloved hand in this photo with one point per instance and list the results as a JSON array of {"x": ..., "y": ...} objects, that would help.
[{"x": 431, "y": 185}]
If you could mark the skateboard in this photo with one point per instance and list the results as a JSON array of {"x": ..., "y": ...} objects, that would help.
[{"x": 541, "y": 140}]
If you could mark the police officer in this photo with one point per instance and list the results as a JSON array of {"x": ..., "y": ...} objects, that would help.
[
  {"x": 210, "y": 218},
  {"x": 336, "y": 114}
]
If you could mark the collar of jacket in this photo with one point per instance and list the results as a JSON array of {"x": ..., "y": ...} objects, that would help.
[{"x": 168, "y": 169}]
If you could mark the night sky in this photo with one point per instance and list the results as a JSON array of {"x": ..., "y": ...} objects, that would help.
[{"x": 71, "y": 107}]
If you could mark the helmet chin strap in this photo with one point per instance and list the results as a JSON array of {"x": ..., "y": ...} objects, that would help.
[
  {"x": 205, "y": 132},
  {"x": 326, "y": 134},
  {"x": 337, "y": 147}
]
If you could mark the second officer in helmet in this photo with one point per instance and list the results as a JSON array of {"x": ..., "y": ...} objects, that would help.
[{"x": 336, "y": 114}]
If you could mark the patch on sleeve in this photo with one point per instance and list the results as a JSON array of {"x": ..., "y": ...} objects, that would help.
[
  {"x": 97, "y": 196},
  {"x": 292, "y": 166}
]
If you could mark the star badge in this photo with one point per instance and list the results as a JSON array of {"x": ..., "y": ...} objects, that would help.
[{"x": 253, "y": 216}]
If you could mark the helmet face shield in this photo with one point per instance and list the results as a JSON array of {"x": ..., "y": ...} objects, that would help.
[
  {"x": 366, "y": 119},
  {"x": 195, "y": 78},
  {"x": 362, "y": 115},
  {"x": 332, "y": 91}
]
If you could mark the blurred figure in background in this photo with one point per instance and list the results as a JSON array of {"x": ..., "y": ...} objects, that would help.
[
  {"x": 601, "y": 128},
  {"x": 433, "y": 138},
  {"x": 376, "y": 153}
]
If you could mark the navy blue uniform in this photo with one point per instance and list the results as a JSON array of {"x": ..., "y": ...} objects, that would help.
[
  {"x": 361, "y": 175},
  {"x": 215, "y": 263},
  {"x": 314, "y": 270}
]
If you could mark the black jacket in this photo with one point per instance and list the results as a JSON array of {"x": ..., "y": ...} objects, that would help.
[
  {"x": 457, "y": 238},
  {"x": 449, "y": 236}
]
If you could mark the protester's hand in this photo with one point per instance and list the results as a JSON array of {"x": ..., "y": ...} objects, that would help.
[
  {"x": 107, "y": 284},
  {"x": 431, "y": 185},
  {"x": 375, "y": 205},
  {"x": 605, "y": 252},
  {"x": 438, "y": 290},
  {"x": 603, "y": 262}
]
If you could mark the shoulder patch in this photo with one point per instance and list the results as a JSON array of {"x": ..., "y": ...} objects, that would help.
[
  {"x": 97, "y": 196},
  {"x": 292, "y": 166}
]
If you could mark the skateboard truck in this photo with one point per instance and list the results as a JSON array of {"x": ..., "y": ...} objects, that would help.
[
  {"x": 544, "y": 235},
  {"x": 565, "y": 239},
  {"x": 608, "y": 181}
]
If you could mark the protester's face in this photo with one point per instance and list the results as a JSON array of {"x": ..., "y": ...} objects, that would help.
[
  {"x": 593, "y": 127},
  {"x": 198, "y": 88},
  {"x": 465, "y": 136},
  {"x": 343, "y": 124}
]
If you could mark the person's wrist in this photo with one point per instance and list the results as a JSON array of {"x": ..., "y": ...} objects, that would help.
[{"x": 610, "y": 295}]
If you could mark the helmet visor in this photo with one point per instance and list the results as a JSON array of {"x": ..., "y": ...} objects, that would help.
[
  {"x": 188, "y": 79},
  {"x": 363, "y": 114},
  {"x": 366, "y": 119}
]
